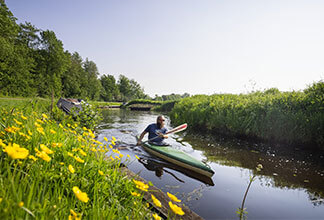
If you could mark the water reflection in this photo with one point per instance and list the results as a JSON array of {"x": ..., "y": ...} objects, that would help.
[
  {"x": 160, "y": 166},
  {"x": 289, "y": 187}
]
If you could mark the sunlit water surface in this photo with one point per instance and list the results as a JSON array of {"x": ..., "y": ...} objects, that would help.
[{"x": 291, "y": 185}]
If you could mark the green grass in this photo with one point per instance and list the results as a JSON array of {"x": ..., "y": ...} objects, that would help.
[
  {"x": 36, "y": 179},
  {"x": 43, "y": 189}
]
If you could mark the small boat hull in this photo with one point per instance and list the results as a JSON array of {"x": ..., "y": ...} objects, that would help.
[{"x": 179, "y": 158}]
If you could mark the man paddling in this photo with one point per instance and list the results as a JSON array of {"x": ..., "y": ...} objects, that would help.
[{"x": 156, "y": 132}]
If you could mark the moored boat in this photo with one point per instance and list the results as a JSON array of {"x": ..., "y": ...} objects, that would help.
[{"x": 179, "y": 158}]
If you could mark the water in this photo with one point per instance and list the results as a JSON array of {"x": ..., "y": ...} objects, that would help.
[{"x": 291, "y": 185}]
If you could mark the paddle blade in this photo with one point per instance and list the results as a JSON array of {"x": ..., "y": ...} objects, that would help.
[{"x": 177, "y": 129}]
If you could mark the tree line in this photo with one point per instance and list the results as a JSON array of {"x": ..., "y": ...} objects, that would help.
[{"x": 33, "y": 62}]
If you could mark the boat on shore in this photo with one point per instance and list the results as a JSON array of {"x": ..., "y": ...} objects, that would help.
[{"x": 179, "y": 158}]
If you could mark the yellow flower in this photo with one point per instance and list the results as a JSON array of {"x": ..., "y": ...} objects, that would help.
[
  {"x": 114, "y": 139},
  {"x": 60, "y": 125},
  {"x": 0, "y": 200},
  {"x": 156, "y": 201},
  {"x": 82, "y": 152},
  {"x": 10, "y": 130},
  {"x": 23, "y": 117},
  {"x": 52, "y": 131},
  {"x": 44, "y": 116},
  {"x": 71, "y": 168},
  {"x": 100, "y": 172},
  {"x": 156, "y": 216},
  {"x": 16, "y": 152},
  {"x": 43, "y": 155},
  {"x": 30, "y": 133},
  {"x": 32, "y": 157},
  {"x": 135, "y": 194},
  {"x": 140, "y": 185},
  {"x": 21, "y": 204},
  {"x": 62, "y": 163},
  {"x": 79, "y": 159},
  {"x": 173, "y": 197},
  {"x": 93, "y": 149},
  {"x": 113, "y": 142},
  {"x": 70, "y": 154},
  {"x": 40, "y": 121},
  {"x": 176, "y": 209},
  {"x": 46, "y": 149},
  {"x": 137, "y": 157},
  {"x": 105, "y": 139},
  {"x": 68, "y": 125},
  {"x": 17, "y": 122},
  {"x": 37, "y": 125},
  {"x": 110, "y": 146},
  {"x": 82, "y": 196},
  {"x": 74, "y": 215},
  {"x": 111, "y": 158},
  {"x": 40, "y": 130}
]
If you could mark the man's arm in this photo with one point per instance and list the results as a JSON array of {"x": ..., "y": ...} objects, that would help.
[{"x": 139, "y": 141}]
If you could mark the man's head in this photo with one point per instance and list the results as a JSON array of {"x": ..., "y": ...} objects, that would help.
[{"x": 160, "y": 121}]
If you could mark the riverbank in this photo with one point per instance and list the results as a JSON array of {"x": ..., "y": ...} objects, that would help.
[
  {"x": 59, "y": 170},
  {"x": 273, "y": 116}
]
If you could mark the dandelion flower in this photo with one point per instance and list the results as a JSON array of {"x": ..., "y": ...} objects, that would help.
[
  {"x": 156, "y": 201},
  {"x": 21, "y": 204},
  {"x": 82, "y": 196},
  {"x": 82, "y": 152},
  {"x": 156, "y": 216},
  {"x": 71, "y": 168},
  {"x": 44, "y": 116},
  {"x": 100, "y": 172},
  {"x": 0, "y": 200},
  {"x": 173, "y": 197},
  {"x": 105, "y": 139},
  {"x": 137, "y": 157},
  {"x": 62, "y": 163},
  {"x": 113, "y": 142},
  {"x": 114, "y": 139},
  {"x": 16, "y": 152},
  {"x": 70, "y": 154},
  {"x": 52, "y": 131},
  {"x": 176, "y": 209}
]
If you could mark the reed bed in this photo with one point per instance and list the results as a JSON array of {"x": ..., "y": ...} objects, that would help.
[{"x": 288, "y": 117}]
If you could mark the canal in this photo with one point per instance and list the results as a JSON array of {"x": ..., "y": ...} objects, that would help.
[{"x": 290, "y": 185}]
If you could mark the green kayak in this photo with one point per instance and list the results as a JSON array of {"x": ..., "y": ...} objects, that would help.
[{"x": 179, "y": 158}]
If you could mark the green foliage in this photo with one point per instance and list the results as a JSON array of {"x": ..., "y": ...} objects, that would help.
[
  {"x": 290, "y": 117},
  {"x": 171, "y": 97},
  {"x": 110, "y": 90},
  {"x": 130, "y": 89},
  {"x": 89, "y": 117}
]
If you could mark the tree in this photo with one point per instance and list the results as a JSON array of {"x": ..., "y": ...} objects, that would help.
[
  {"x": 74, "y": 77},
  {"x": 92, "y": 85},
  {"x": 51, "y": 64},
  {"x": 110, "y": 90},
  {"x": 15, "y": 63}
]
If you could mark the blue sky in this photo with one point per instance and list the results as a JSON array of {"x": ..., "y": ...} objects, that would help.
[{"x": 194, "y": 46}]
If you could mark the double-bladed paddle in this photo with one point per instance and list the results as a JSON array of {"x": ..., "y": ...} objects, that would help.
[{"x": 174, "y": 130}]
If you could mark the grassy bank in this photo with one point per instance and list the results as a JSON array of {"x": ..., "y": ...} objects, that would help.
[
  {"x": 289, "y": 117},
  {"x": 52, "y": 170}
]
